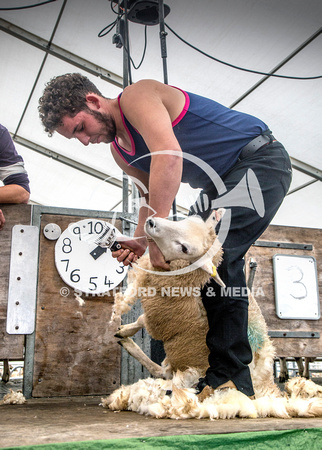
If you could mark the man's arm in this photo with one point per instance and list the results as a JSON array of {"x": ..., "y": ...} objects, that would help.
[
  {"x": 13, "y": 193},
  {"x": 148, "y": 106},
  {"x": 139, "y": 244},
  {"x": 12, "y": 171}
]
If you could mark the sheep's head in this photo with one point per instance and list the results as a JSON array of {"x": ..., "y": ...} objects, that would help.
[{"x": 190, "y": 239}]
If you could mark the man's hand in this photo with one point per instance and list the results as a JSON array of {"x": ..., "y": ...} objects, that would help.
[
  {"x": 136, "y": 248},
  {"x": 2, "y": 220},
  {"x": 131, "y": 250},
  {"x": 156, "y": 257}
]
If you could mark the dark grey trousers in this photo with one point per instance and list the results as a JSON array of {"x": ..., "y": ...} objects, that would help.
[{"x": 227, "y": 310}]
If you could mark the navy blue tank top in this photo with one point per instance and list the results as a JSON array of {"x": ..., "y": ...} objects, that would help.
[{"x": 206, "y": 129}]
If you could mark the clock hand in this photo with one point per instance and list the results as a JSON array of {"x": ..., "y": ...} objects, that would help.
[
  {"x": 98, "y": 251},
  {"x": 105, "y": 240}
]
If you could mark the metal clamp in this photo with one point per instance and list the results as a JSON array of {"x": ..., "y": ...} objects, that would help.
[{"x": 23, "y": 280}]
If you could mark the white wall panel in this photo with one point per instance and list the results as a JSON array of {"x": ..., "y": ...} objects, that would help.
[
  {"x": 302, "y": 209},
  {"x": 292, "y": 108},
  {"x": 39, "y": 21},
  {"x": 19, "y": 66},
  {"x": 256, "y": 34},
  {"x": 55, "y": 184}
]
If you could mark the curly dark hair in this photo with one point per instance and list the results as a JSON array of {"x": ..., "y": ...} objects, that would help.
[{"x": 64, "y": 95}]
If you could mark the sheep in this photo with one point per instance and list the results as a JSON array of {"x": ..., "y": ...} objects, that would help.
[
  {"x": 183, "y": 244},
  {"x": 304, "y": 371},
  {"x": 171, "y": 287}
]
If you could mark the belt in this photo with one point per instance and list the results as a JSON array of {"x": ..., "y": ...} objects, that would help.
[{"x": 253, "y": 146}]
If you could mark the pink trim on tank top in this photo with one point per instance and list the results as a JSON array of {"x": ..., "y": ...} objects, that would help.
[
  {"x": 132, "y": 151},
  {"x": 174, "y": 123},
  {"x": 120, "y": 153},
  {"x": 185, "y": 108}
]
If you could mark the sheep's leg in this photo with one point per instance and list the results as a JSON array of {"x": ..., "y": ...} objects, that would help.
[
  {"x": 6, "y": 371},
  {"x": 300, "y": 366},
  {"x": 130, "y": 328},
  {"x": 283, "y": 370},
  {"x": 134, "y": 350},
  {"x": 306, "y": 373}
]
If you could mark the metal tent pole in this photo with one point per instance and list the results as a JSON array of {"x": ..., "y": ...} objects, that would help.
[
  {"x": 125, "y": 37},
  {"x": 163, "y": 43}
]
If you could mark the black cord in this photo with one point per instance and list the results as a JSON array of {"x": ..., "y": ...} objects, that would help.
[
  {"x": 103, "y": 33},
  {"x": 144, "y": 50},
  {"x": 110, "y": 27},
  {"x": 27, "y": 6},
  {"x": 115, "y": 12},
  {"x": 237, "y": 67}
]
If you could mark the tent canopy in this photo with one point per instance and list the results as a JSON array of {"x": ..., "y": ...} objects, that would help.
[{"x": 62, "y": 36}]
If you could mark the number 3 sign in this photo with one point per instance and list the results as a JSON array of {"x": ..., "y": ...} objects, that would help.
[{"x": 296, "y": 287}]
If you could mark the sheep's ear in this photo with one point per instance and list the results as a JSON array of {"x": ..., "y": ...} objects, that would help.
[
  {"x": 215, "y": 217},
  {"x": 210, "y": 268}
]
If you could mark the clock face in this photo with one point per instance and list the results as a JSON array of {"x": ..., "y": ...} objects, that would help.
[{"x": 82, "y": 263}]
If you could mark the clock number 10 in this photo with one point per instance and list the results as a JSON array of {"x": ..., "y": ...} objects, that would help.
[{"x": 94, "y": 228}]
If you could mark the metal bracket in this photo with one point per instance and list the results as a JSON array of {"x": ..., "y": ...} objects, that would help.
[
  {"x": 23, "y": 280},
  {"x": 52, "y": 231},
  {"x": 290, "y": 245},
  {"x": 295, "y": 334},
  {"x": 252, "y": 268},
  {"x": 128, "y": 220}
]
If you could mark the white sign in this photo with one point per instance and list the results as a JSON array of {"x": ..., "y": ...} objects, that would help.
[{"x": 296, "y": 287}]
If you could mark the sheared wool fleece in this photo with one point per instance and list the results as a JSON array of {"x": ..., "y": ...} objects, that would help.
[{"x": 13, "y": 398}]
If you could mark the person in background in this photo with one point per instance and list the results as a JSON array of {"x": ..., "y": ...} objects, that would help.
[{"x": 12, "y": 173}]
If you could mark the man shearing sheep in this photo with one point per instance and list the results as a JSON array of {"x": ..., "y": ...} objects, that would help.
[{"x": 166, "y": 123}]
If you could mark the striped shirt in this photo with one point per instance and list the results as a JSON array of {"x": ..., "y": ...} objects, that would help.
[{"x": 12, "y": 168}]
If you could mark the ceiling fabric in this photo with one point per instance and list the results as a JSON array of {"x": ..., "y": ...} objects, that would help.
[{"x": 258, "y": 35}]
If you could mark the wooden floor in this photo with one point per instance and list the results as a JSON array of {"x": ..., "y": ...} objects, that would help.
[
  {"x": 52, "y": 420},
  {"x": 70, "y": 419}
]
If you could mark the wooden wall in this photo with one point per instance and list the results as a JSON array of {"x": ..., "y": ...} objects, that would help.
[
  {"x": 76, "y": 352},
  {"x": 263, "y": 287}
]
